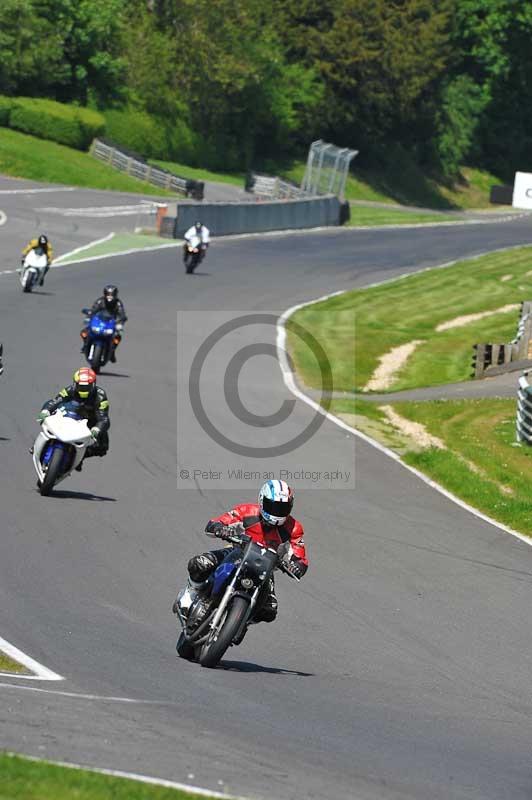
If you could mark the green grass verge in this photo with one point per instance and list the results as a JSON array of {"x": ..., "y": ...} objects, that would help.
[
  {"x": 481, "y": 464},
  {"x": 199, "y": 174},
  {"x": 119, "y": 243},
  {"x": 372, "y": 321},
  {"x": 24, "y": 779},
  {"x": 8, "y": 665},
  {"x": 24, "y": 156},
  {"x": 368, "y": 216}
]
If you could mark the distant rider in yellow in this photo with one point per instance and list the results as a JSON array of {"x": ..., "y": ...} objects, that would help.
[{"x": 43, "y": 242}]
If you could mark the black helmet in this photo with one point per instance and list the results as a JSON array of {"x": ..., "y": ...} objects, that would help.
[
  {"x": 43, "y": 240},
  {"x": 110, "y": 294},
  {"x": 110, "y": 291},
  {"x": 198, "y": 225}
]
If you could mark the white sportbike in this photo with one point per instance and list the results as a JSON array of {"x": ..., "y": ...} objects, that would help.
[
  {"x": 32, "y": 269},
  {"x": 60, "y": 446}
]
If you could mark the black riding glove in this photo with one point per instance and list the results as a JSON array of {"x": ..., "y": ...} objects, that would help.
[{"x": 297, "y": 568}]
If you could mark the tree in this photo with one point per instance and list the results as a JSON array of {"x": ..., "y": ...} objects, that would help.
[
  {"x": 90, "y": 32},
  {"x": 31, "y": 54}
]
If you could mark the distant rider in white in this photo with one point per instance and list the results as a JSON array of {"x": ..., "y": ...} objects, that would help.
[{"x": 197, "y": 236}]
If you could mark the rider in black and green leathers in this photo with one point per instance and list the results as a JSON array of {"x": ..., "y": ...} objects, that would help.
[{"x": 93, "y": 404}]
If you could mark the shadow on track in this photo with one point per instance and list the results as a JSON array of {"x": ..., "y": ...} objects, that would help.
[
  {"x": 5, "y": 439},
  {"x": 81, "y": 496},
  {"x": 114, "y": 374},
  {"x": 247, "y": 666}
]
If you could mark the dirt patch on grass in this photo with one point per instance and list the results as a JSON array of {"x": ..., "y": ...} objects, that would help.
[
  {"x": 416, "y": 432},
  {"x": 458, "y": 322},
  {"x": 389, "y": 365}
]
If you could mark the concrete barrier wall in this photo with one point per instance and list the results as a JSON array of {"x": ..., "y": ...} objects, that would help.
[{"x": 226, "y": 218}]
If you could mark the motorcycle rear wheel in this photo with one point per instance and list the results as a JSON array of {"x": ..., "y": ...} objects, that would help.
[
  {"x": 213, "y": 650},
  {"x": 52, "y": 473}
]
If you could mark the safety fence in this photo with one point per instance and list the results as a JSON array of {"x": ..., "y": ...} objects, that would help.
[
  {"x": 327, "y": 169},
  {"x": 230, "y": 218},
  {"x": 273, "y": 187},
  {"x": 133, "y": 165},
  {"x": 502, "y": 357},
  {"x": 524, "y": 410}
]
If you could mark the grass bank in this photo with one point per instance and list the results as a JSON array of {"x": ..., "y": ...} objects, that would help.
[
  {"x": 24, "y": 779},
  {"x": 405, "y": 183},
  {"x": 198, "y": 174},
  {"x": 9, "y": 665},
  {"x": 357, "y": 328},
  {"x": 24, "y": 156},
  {"x": 480, "y": 462}
]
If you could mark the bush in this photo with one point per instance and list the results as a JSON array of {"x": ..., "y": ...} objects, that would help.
[
  {"x": 137, "y": 131},
  {"x": 69, "y": 125},
  {"x": 6, "y": 104},
  {"x": 152, "y": 137}
]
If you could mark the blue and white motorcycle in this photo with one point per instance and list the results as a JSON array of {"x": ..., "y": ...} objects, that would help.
[
  {"x": 32, "y": 268},
  {"x": 60, "y": 446},
  {"x": 100, "y": 336},
  {"x": 217, "y": 616}
]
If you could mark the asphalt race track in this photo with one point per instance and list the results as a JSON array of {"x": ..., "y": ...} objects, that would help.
[{"x": 398, "y": 668}]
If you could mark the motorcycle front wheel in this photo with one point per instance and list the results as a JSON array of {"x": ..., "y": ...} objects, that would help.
[
  {"x": 184, "y": 648},
  {"x": 214, "y": 648},
  {"x": 96, "y": 359},
  {"x": 52, "y": 473}
]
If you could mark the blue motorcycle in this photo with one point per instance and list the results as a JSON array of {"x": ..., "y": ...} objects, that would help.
[
  {"x": 217, "y": 617},
  {"x": 100, "y": 336}
]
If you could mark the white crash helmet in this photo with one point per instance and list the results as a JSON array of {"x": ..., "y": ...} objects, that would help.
[{"x": 276, "y": 499}]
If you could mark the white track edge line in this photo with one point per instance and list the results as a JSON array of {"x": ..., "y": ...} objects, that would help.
[
  {"x": 3, "y": 218},
  {"x": 39, "y": 190},
  {"x": 79, "y": 695},
  {"x": 84, "y": 247},
  {"x": 116, "y": 773},
  {"x": 288, "y": 377},
  {"x": 41, "y": 672},
  {"x": 132, "y": 251}
]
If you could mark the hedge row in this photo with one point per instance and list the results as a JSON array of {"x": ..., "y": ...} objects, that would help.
[
  {"x": 70, "y": 125},
  {"x": 133, "y": 129}
]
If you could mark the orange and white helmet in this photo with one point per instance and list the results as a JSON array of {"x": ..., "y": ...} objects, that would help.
[
  {"x": 85, "y": 382},
  {"x": 276, "y": 499}
]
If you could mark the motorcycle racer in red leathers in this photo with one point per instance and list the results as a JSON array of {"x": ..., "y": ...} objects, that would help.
[{"x": 268, "y": 522}]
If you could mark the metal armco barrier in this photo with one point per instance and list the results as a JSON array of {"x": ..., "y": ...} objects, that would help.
[
  {"x": 488, "y": 356},
  {"x": 145, "y": 172},
  {"x": 276, "y": 188},
  {"x": 226, "y": 218},
  {"x": 524, "y": 410}
]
